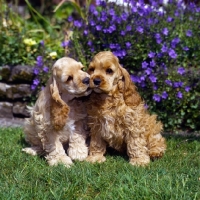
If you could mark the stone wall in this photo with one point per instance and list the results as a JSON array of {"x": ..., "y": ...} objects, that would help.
[{"x": 15, "y": 90}]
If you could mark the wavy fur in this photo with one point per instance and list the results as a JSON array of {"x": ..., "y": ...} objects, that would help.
[
  {"x": 117, "y": 116},
  {"x": 59, "y": 116}
]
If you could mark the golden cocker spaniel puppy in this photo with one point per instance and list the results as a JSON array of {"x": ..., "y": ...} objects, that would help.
[
  {"x": 59, "y": 117},
  {"x": 117, "y": 116}
]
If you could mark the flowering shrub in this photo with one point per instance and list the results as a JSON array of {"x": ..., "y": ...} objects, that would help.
[
  {"x": 159, "y": 46},
  {"x": 28, "y": 43},
  {"x": 43, "y": 64}
]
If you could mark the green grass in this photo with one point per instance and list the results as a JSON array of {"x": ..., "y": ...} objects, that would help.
[{"x": 175, "y": 176}]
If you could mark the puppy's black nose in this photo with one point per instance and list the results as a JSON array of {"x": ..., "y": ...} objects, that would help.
[
  {"x": 86, "y": 81},
  {"x": 97, "y": 81}
]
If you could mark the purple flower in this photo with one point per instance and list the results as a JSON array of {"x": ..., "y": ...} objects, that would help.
[
  {"x": 178, "y": 84},
  {"x": 77, "y": 23},
  {"x": 64, "y": 44},
  {"x": 164, "y": 95},
  {"x": 170, "y": 19},
  {"x": 181, "y": 70},
  {"x": 98, "y": 27},
  {"x": 189, "y": 33},
  {"x": 89, "y": 43},
  {"x": 168, "y": 82},
  {"x": 158, "y": 38},
  {"x": 33, "y": 87},
  {"x": 165, "y": 31},
  {"x": 128, "y": 45},
  {"x": 42, "y": 42},
  {"x": 36, "y": 82},
  {"x": 174, "y": 42},
  {"x": 112, "y": 12},
  {"x": 103, "y": 18},
  {"x": 36, "y": 71},
  {"x": 142, "y": 78},
  {"x": 122, "y": 33},
  {"x": 112, "y": 46},
  {"x": 112, "y": 28},
  {"x": 187, "y": 88},
  {"x": 172, "y": 53},
  {"x": 92, "y": 23},
  {"x": 128, "y": 28},
  {"x": 85, "y": 32},
  {"x": 179, "y": 95},
  {"x": 152, "y": 63},
  {"x": 156, "y": 97},
  {"x": 185, "y": 48},
  {"x": 45, "y": 69},
  {"x": 144, "y": 65},
  {"x": 124, "y": 16},
  {"x": 151, "y": 54},
  {"x": 39, "y": 61},
  {"x": 164, "y": 48},
  {"x": 155, "y": 87},
  {"x": 135, "y": 79},
  {"x": 140, "y": 29},
  {"x": 70, "y": 18},
  {"x": 134, "y": 9},
  {"x": 152, "y": 78},
  {"x": 148, "y": 71}
]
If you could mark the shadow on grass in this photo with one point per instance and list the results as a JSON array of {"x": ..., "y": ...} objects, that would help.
[{"x": 186, "y": 136}]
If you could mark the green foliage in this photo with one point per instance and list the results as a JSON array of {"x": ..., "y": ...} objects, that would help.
[
  {"x": 175, "y": 176},
  {"x": 21, "y": 38}
]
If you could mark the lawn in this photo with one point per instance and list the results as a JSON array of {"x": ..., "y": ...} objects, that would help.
[{"x": 175, "y": 176}]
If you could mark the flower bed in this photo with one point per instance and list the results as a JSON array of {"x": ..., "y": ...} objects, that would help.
[{"x": 158, "y": 45}]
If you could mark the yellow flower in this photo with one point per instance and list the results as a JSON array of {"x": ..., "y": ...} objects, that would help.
[
  {"x": 29, "y": 42},
  {"x": 53, "y": 54}
]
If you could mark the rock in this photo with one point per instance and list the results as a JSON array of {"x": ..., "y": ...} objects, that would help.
[
  {"x": 18, "y": 91},
  {"x": 22, "y": 74},
  {"x": 19, "y": 108},
  {"x": 6, "y": 110},
  {"x": 5, "y": 72},
  {"x": 2, "y": 90}
]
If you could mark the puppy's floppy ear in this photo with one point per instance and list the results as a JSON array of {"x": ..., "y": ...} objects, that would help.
[
  {"x": 59, "y": 109},
  {"x": 129, "y": 90}
]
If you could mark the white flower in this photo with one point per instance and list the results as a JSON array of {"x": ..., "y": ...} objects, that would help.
[
  {"x": 29, "y": 42},
  {"x": 53, "y": 54}
]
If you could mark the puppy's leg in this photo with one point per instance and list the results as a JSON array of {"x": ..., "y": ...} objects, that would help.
[
  {"x": 55, "y": 151},
  {"x": 97, "y": 149},
  {"x": 137, "y": 151},
  {"x": 157, "y": 146},
  {"x": 77, "y": 147}
]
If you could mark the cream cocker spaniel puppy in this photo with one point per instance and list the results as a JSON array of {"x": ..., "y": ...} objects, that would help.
[
  {"x": 59, "y": 117},
  {"x": 117, "y": 116}
]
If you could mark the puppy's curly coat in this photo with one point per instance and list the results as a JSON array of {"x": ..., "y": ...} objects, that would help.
[
  {"x": 117, "y": 115},
  {"x": 59, "y": 116}
]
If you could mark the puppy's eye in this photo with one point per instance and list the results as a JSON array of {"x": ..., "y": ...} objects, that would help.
[
  {"x": 91, "y": 69},
  {"x": 69, "y": 78},
  {"x": 109, "y": 71}
]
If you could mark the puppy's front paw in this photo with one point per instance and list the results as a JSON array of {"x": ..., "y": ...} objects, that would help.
[
  {"x": 62, "y": 159},
  {"x": 32, "y": 151},
  {"x": 80, "y": 153},
  {"x": 141, "y": 161},
  {"x": 96, "y": 158}
]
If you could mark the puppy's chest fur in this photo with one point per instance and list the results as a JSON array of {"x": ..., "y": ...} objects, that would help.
[{"x": 106, "y": 117}]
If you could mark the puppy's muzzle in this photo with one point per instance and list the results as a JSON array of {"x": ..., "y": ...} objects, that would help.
[
  {"x": 97, "y": 81},
  {"x": 86, "y": 81}
]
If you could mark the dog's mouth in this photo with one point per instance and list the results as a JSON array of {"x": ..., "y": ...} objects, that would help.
[
  {"x": 85, "y": 93},
  {"x": 97, "y": 90}
]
